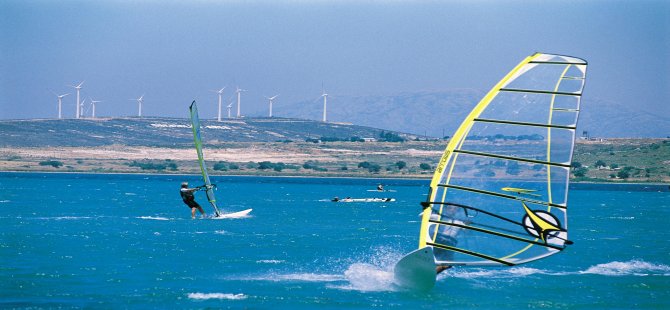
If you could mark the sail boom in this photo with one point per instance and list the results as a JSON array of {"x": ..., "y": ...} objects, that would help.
[
  {"x": 524, "y": 123},
  {"x": 480, "y": 255},
  {"x": 514, "y": 158}
]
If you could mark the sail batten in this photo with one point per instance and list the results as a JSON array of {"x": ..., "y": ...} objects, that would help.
[
  {"x": 476, "y": 254},
  {"x": 548, "y": 163},
  {"x": 491, "y": 193},
  {"x": 534, "y": 91},
  {"x": 499, "y": 234},
  {"x": 525, "y": 123},
  {"x": 500, "y": 189}
]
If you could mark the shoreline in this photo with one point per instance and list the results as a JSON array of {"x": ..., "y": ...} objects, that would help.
[{"x": 306, "y": 177}]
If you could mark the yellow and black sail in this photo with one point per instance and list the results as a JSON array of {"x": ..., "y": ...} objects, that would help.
[{"x": 499, "y": 195}]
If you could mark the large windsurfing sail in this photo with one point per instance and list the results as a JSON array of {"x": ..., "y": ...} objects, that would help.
[
  {"x": 195, "y": 122},
  {"x": 500, "y": 190}
]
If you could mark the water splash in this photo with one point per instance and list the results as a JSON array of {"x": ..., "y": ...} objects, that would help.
[
  {"x": 633, "y": 267},
  {"x": 374, "y": 273},
  {"x": 367, "y": 278}
]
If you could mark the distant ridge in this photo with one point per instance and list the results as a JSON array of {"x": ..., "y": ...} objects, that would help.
[
  {"x": 439, "y": 113},
  {"x": 172, "y": 132}
]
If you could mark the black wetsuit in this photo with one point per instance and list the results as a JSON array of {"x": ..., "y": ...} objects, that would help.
[{"x": 188, "y": 197}]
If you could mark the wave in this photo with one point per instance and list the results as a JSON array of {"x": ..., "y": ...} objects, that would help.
[
  {"x": 157, "y": 218},
  {"x": 65, "y": 218},
  {"x": 205, "y": 296},
  {"x": 270, "y": 261},
  {"x": 629, "y": 268},
  {"x": 512, "y": 272}
]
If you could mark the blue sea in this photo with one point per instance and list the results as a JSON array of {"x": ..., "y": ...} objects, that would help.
[{"x": 127, "y": 241}]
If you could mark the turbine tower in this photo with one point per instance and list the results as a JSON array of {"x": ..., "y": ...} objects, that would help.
[
  {"x": 93, "y": 102},
  {"x": 78, "y": 88},
  {"x": 239, "y": 91},
  {"x": 325, "y": 100},
  {"x": 220, "y": 92},
  {"x": 81, "y": 108},
  {"x": 139, "y": 103},
  {"x": 230, "y": 106},
  {"x": 60, "y": 104},
  {"x": 271, "y": 99}
]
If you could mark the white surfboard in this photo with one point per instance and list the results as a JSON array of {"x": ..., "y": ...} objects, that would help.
[
  {"x": 240, "y": 214},
  {"x": 416, "y": 270}
]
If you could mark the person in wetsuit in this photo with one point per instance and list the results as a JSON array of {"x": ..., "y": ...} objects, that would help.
[
  {"x": 187, "y": 194},
  {"x": 448, "y": 235}
]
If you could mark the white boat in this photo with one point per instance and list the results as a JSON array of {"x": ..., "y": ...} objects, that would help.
[{"x": 362, "y": 199}]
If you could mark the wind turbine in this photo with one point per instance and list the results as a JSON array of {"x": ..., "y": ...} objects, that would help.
[
  {"x": 81, "y": 108},
  {"x": 78, "y": 88},
  {"x": 239, "y": 91},
  {"x": 93, "y": 102},
  {"x": 271, "y": 99},
  {"x": 139, "y": 103},
  {"x": 325, "y": 100},
  {"x": 230, "y": 106},
  {"x": 60, "y": 104},
  {"x": 220, "y": 92}
]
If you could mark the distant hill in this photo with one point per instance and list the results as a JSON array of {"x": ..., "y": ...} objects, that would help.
[
  {"x": 154, "y": 131},
  {"x": 439, "y": 113}
]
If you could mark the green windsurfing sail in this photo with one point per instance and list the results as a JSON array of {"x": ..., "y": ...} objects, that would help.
[
  {"x": 499, "y": 194},
  {"x": 195, "y": 122}
]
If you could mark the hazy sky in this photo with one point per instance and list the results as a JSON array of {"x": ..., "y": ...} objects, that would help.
[{"x": 174, "y": 52}]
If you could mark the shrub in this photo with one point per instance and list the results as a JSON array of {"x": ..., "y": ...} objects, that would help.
[
  {"x": 513, "y": 168},
  {"x": 374, "y": 168},
  {"x": 390, "y": 137},
  {"x": 623, "y": 174},
  {"x": 220, "y": 166},
  {"x": 149, "y": 165},
  {"x": 486, "y": 172},
  {"x": 401, "y": 165},
  {"x": 364, "y": 165},
  {"x": 580, "y": 172},
  {"x": 53, "y": 163},
  {"x": 424, "y": 166}
]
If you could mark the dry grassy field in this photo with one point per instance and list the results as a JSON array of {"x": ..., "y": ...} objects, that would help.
[{"x": 631, "y": 160}]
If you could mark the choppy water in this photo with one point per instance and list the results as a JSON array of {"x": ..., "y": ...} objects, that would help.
[{"x": 127, "y": 241}]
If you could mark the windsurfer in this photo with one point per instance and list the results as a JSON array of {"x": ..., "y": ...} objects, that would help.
[
  {"x": 380, "y": 187},
  {"x": 447, "y": 235},
  {"x": 187, "y": 194}
]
